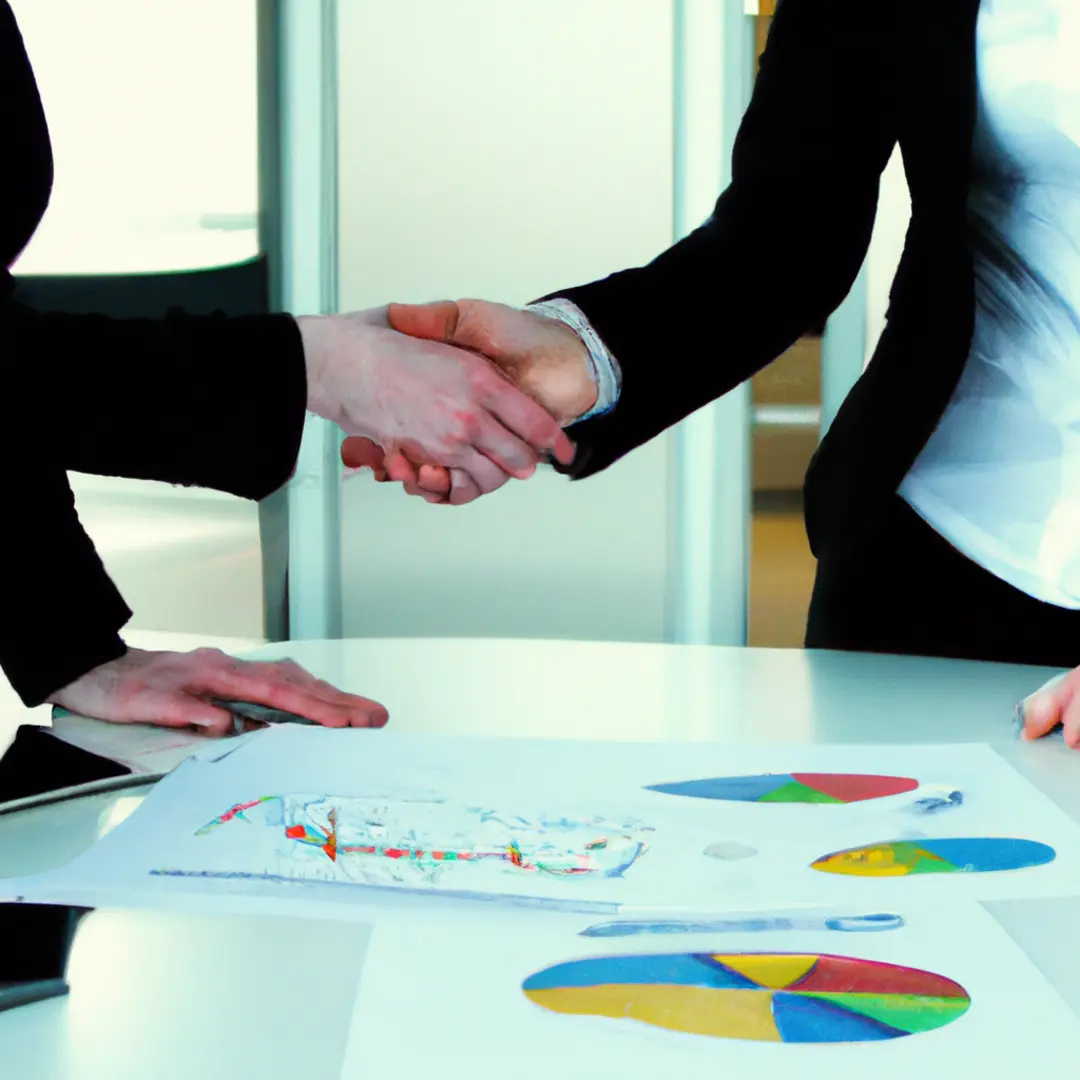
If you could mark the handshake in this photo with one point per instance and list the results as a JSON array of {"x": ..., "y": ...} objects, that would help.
[{"x": 449, "y": 399}]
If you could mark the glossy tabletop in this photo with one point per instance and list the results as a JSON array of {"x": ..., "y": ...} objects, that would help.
[{"x": 591, "y": 690}]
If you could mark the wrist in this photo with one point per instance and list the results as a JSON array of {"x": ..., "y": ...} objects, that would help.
[
  {"x": 109, "y": 659},
  {"x": 597, "y": 389},
  {"x": 316, "y": 335},
  {"x": 586, "y": 391}
]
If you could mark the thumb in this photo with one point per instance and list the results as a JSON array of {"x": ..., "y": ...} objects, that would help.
[{"x": 436, "y": 322}]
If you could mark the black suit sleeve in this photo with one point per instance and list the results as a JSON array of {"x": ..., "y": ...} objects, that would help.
[
  {"x": 212, "y": 401},
  {"x": 60, "y": 614},
  {"x": 785, "y": 241}
]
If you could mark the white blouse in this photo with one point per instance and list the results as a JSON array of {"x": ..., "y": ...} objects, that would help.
[{"x": 1000, "y": 477}]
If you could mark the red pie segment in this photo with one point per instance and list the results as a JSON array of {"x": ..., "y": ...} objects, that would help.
[{"x": 852, "y": 787}]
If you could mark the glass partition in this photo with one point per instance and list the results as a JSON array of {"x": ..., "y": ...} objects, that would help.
[
  {"x": 153, "y": 115},
  {"x": 152, "y": 109}
]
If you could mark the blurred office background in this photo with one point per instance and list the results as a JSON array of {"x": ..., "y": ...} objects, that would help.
[{"x": 486, "y": 149}]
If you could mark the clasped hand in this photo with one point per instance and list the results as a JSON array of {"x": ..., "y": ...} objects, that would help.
[{"x": 529, "y": 355}]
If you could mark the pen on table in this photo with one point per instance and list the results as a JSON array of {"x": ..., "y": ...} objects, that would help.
[{"x": 846, "y": 923}]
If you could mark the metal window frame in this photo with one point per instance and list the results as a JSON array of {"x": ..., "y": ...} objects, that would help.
[
  {"x": 712, "y": 487},
  {"x": 301, "y": 525},
  {"x": 296, "y": 271}
]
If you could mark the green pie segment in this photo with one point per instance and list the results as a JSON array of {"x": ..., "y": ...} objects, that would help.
[
  {"x": 795, "y": 792},
  {"x": 910, "y": 1013}
]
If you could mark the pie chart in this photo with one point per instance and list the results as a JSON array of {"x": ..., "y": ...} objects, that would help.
[
  {"x": 764, "y": 997},
  {"x": 835, "y": 788},
  {"x": 959, "y": 855}
]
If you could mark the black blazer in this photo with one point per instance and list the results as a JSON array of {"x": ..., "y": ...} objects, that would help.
[
  {"x": 213, "y": 401},
  {"x": 841, "y": 83}
]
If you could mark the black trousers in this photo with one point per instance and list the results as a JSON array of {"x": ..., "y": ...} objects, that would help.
[{"x": 905, "y": 590}]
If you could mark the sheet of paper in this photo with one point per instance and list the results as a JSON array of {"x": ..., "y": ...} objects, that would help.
[
  {"x": 572, "y": 824},
  {"x": 438, "y": 995},
  {"x": 139, "y": 747}
]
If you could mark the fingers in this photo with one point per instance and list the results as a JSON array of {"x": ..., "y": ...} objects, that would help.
[
  {"x": 434, "y": 479},
  {"x": 430, "y": 496},
  {"x": 510, "y": 454},
  {"x": 361, "y": 453},
  {"x": 463, "y": 488},
  {"x": 518, "y": 413},
  {"x": 480, "y": 476},
  {"x": 1056, "y": 702},
  {"x": 285, "y": 685},
  {"x": 429, "y": 482},
  {"x": 400, "y": 469},
  {"x": 375, "y": 713},
  {"x": 563, "y": 450},
  {"x": 358, "y": 454},
  {"x": 1070, "y": 721},
  {"x": 436, "y": 322}
]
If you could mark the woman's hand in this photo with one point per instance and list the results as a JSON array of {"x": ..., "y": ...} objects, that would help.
[
  {"x": 540, "y": 355},
  {"x": 1055, "y": 702},
  {"x": 171, "y": 689},
  {"x": 426, "y": 401}
]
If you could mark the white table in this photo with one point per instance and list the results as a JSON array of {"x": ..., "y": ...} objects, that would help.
[{"x": 581, "y": 690}]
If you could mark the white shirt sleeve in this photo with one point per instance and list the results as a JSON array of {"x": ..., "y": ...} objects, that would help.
[{"x": 605, "y": 368}]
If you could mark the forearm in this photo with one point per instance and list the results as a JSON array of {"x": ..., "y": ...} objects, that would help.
[
  {"x": 213, "y": 401},
  {"x": 707, "y": 315},
  {"x": 61, "y": 614},
  {"x": 782, "y": 248}
]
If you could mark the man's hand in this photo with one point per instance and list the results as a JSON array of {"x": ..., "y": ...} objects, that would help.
[
  {"x": 1057, "y": 702},
  {"x": 426, "y": 401},
  {"x": 171, "y": 689},
  {"x": 544, "y": 357}
]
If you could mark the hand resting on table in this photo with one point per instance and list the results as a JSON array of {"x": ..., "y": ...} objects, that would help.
[
  {"x": 1056, "y": 702},
  {"x": 170, "y": 689}
]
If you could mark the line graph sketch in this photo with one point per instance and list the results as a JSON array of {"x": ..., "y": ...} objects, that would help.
[{"x": 427, "y": 841}]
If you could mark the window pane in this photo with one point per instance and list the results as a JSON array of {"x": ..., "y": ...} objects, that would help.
[{"x": 152, "y": 109}]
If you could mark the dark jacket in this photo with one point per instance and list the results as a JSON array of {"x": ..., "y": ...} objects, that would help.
[
  {"x": 213, "y": 401},
  {"x": 841, "y": 83}
]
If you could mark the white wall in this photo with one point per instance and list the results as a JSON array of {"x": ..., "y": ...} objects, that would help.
[
  {"x": 152, "y": 111},
  {"x": 501, "y": 150}
]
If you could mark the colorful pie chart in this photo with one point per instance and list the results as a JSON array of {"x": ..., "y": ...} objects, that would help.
[
  {"x": 896, "y": 858},
  {"x": 767, "y": 997},
  {"x": 791, "y": 788}
]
